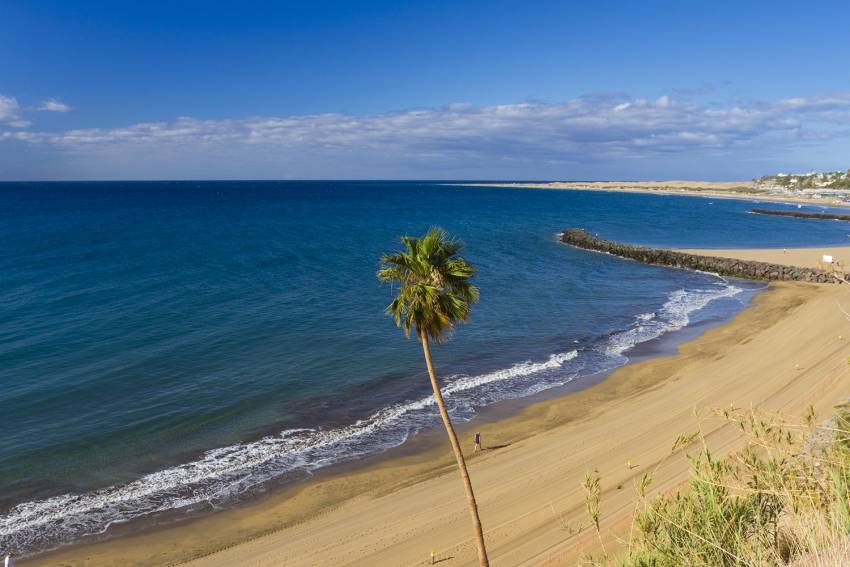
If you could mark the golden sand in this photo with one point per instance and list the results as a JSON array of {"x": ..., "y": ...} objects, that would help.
[
  {"x": 781, "y": 354},
  {"x": 804, "y": 257}
]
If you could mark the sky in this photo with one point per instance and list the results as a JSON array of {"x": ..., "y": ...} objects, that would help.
[{"x": 574, "y": 90}]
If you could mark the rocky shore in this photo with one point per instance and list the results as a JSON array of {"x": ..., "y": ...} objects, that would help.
[
  {"x": 799, "y": 215},
  {"x": 724, "y": 266}
]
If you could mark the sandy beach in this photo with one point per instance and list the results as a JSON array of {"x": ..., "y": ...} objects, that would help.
[
  {"x": 787, "y": 351},
  {"x": 804, "y": 257},
  {"x": 418, "y": 284},
  {"x": 714, "y": 189}
]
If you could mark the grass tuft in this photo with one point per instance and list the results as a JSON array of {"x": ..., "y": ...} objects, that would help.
[{"x": 783, "y": 500}]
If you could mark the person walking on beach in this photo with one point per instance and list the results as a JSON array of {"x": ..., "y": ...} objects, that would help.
[
  {"x": 9, "y": 561},
  {"x": 477, "y": 442}
]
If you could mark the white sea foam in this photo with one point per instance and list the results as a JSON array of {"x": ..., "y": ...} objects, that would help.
[
  {"x": 673, "y": 315},
  {"x": 226, "y": 472},
  {"x": 522, "y": 369}
]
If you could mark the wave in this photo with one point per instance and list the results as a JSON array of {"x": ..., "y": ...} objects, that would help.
[
  {"x": 223, "y": 474},
  {"x": 673, "y": 315}
]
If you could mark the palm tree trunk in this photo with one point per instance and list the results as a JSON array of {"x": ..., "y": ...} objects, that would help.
[{"x": 461, "y": 463}]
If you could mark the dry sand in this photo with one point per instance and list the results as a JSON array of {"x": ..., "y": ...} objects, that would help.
[
  {"x": 782, "y": 354},
  {"x": 805, "y": 257},
  {"x": 714, "y": 189},
  {"x": 739, "y": 186}
]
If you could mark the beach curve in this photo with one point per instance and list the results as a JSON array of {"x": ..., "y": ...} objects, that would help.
[{"x": 395, "y": 512}]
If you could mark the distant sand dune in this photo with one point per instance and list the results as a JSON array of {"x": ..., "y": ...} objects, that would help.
[{"x": 715, "y": 189}]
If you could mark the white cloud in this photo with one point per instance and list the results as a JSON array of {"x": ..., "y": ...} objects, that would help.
[
  {"x": 54, "y": 105},
  {"x": 10, "y": 113},
  {"x": 596, "y": 124},
  {"x": 591, "y": 128}
]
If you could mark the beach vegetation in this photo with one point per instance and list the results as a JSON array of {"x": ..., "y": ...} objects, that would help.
[
  {"x": 782, "y": 500},
  {"x": 433, "y": 293}
]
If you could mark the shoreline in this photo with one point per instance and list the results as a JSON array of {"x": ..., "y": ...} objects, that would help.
[
  {"x": 264, "y": 527},
  {"x": 720, "y": 263},
  {"x": 716, "y": 190},
  {"x": 799, "y": 257},
  {"x": 425, "y": 441},
  {"x": 596, "y": 367}
]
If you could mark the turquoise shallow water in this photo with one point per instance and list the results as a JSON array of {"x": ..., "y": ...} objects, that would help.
[{"x": 180, "y": 344}]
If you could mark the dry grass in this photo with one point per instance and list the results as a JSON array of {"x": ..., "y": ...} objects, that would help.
[{"x": 783, "y": 500}]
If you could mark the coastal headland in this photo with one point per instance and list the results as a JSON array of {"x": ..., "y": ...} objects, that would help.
[{"x": 785, "y": 352}]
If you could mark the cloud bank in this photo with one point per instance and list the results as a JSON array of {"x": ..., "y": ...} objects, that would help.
[{"x": 454, "y": 138}]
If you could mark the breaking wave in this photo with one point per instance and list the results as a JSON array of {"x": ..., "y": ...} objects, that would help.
[
  {"x": 673, "y": 315},
  {"x": 223, "y": 474}
]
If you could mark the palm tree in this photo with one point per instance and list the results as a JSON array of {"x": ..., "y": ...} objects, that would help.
[{"x": 434, "y": 294}]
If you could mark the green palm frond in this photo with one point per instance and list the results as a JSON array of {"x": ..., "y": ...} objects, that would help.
[{"x": 434, "y": 288}]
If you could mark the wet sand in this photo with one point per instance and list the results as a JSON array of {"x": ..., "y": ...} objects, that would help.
[{"x": 782, "y": 354}]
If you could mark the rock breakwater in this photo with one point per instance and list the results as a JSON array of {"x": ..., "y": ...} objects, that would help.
[
  {"x": 799, "y": 215},
  {"x": 765, "y": 271}
]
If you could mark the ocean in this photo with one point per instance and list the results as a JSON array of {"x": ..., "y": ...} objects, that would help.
[{"x": 177, "y": 346}]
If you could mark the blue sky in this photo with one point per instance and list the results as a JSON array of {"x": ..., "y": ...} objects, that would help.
[{"x": 427, "y": 90}]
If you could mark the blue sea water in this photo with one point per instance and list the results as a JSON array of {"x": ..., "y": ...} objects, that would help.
[{"x": 172, "y": 345}]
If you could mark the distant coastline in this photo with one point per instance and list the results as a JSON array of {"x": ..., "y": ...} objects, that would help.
[{"x": 747, "y": 190}]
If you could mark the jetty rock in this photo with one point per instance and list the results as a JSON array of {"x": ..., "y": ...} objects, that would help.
[{"x": 753, "y": 270}]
